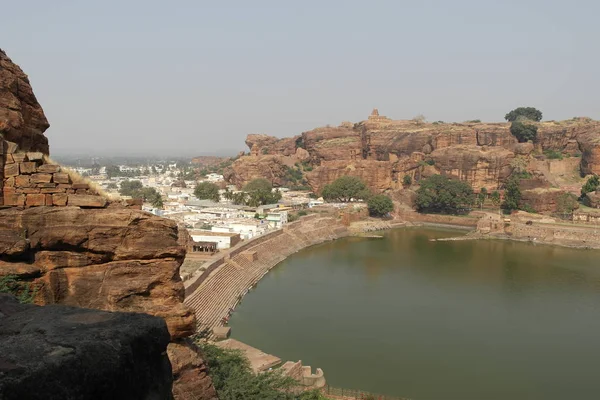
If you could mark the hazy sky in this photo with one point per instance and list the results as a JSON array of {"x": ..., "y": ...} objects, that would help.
[{"x": 194, "y": 77}]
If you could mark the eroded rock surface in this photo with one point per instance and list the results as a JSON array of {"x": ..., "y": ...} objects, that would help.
[
  {"x": 60, "y": 352},
  {"x": 381, "y": 151},
  {"x": 22, "y": 119}
]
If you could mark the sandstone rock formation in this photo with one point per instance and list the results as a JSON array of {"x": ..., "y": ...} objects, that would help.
[
  {"x": 77, "y": 247},
  {"x": 381, "y": 151},
  {"x": 60, "y": 352},
  {"x": 115, "y": 259},
  {"x": 22, "y": 119}
]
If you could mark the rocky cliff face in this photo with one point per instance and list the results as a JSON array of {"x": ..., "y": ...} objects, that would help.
[
  {"x": 55, "y": 352},
  {"x": 22, "y": 119},
  {"x": 381, "y": 151},
  {"x": 77, "y": 248}
]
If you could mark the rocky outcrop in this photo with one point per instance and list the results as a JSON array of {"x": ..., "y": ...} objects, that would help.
[
  {"x": 60, "y": 352},
  {"x": 22, "y": 119},
  {"x": 381, "y": 151},
  {"x": 109, "y": 259},
  {"x": 77, "y": 248},
  {"x": 270, "y": 167}
]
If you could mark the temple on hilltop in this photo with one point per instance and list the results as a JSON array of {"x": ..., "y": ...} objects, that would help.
[{"x": 376, "y": 117}]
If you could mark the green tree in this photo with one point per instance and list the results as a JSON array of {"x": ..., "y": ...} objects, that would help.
[
  {"x": 112, "y": 171},
  {"x": 444, "y": 195},
  {"x": 130, "y": 188},
  {"x": 566, "y": 204},
  {"x": 523, "y": 131},
  {"x": 260, "y": 191},
  {"x": 380, "y": 205},
  {"x": 112, "y": 185},
  {"x": 495, "y": 198},
  {"x": 481, "y": 196},
  {"x": 151, "y": 195},
  {"x": 520, "y": 113},
  {"x": 207, "y": 191},
  {"x": 590, "y": 185},
  {"x": 239, "y": 198},
  {"x": 512, "y": 194},
  {"x": 346, "y": 188},
  {"x": 407, "y": 180}
]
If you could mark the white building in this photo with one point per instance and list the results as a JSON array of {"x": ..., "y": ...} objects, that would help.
[{"x": 224, "y": 240}]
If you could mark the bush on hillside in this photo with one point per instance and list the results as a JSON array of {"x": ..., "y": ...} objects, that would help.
[
  {"x": 380, "y": 205},
  {"x": 440, "y": 194},
  {"x": 523, "y": 132},
  {"x": 590, "y": 185},
  {"x": 233, "y": 378},
  {"x": 512, "y": 194}
]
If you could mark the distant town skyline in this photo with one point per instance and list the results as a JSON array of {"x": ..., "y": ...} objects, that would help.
[{"x": 151, "y": 78}]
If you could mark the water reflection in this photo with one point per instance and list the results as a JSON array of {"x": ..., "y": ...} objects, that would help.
[{"x": 434, "y": 320}]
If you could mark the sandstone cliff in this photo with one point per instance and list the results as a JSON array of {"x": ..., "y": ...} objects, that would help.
[
  {"x": 22, "y": 119},
  {"x": 78, "y": 248},
  {"x": 381, "y": 151}
]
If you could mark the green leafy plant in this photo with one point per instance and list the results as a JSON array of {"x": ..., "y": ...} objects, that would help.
[
  {"x": 207, "y": 191},
  {"x": 440, "y": 194},
  {"x": 512, "y": 194},
  {"x": 23, "y": 291},
  {"x": 520, "y": 113},
  {"x": 407, "y": 180},
  {"x": 234, "y": 379},
  {"x": 524, "y": 132},
  {"x": 345, "y": 189},
  {"x": 380, "y": 205},
  {"x": 553, "y": 154}
]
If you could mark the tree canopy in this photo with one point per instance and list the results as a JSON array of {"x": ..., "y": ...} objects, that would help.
[
  {"x": 523, "y": 131},
  {"x": 590, "y": 185},
  {"x": 521, "y": 113},
  {"x": 512, "y": 194},
  {"x": 441, "y": 194},
  {"x": 207, "y": 191},
  {"x": 130, "y": 188},
  {"x": 380, "y": 205},
  {"x": 346, "y": 188},
  {"x": 136, "y": 190},
  {"x": 260, "y": 191}
]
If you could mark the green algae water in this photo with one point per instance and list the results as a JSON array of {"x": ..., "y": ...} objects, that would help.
[{"x": 407, "y": 316}]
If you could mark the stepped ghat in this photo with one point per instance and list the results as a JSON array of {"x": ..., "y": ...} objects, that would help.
[{"x": 227, "y": 279}]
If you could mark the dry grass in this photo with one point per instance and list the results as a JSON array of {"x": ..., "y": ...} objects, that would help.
[{"x": 76, "y": 178}]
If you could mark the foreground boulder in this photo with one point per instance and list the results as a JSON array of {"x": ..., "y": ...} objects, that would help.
[{"x": 60, "y": 352}]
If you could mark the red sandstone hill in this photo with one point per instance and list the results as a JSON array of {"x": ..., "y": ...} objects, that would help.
[{"x": 381, "y": 151}]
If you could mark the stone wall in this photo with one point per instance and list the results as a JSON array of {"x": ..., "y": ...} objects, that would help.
[{"x": 30, "y": 179}]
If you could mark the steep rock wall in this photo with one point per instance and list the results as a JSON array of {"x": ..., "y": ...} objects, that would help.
[
  {"x": 22, "y": 119},
  {"x": 381, "y": 151}
]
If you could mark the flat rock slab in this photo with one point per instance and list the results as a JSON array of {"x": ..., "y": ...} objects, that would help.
[
  {"x": 59, "y": 352},
  {"x": 259, "y": 361}
]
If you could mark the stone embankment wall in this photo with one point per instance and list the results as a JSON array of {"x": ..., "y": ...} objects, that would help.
[
  {"x": 538, "y": 229},
  {"x": 30, "y": 179},
  {"x": 466, "y": 221},
  {"x": 229, "y": 278}
]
